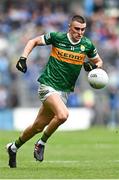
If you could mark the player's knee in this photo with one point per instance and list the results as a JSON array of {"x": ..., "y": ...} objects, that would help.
[{"x": 62, "y": 117}]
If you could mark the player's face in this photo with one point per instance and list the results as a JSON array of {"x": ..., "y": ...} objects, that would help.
[{"x": 76, "y": 30}]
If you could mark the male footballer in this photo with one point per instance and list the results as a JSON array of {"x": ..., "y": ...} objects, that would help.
[{"x": 69, "y": 50}]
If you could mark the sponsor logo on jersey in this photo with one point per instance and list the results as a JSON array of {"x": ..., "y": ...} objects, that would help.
[
  {"x": 64, "y": 45},
  {"x": 68, "y": 56}
]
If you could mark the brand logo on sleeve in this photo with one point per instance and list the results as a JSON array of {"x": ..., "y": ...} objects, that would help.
[{"x": 47, "y": 36}]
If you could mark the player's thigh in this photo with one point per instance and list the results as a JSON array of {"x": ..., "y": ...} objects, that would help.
[
  {"x": 57, "y": 106},
  {"x": 44, "y": 116}
]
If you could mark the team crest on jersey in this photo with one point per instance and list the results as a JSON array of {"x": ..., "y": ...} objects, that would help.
[{"x": 82, "y": 48}]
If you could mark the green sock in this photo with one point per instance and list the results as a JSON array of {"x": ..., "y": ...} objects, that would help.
[
  {"x": 19, "y": 142},
  {"x": 44, "y": 137}
]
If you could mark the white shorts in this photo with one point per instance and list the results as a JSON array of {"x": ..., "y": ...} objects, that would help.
[{"x": 44, "y": 91}]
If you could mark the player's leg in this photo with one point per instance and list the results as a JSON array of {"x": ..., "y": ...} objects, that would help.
[
  {"x": 55, "y": 103},
  {"x": 53, "y": 110},
  {"x": 43, "y": 118},
  {"x": 60, "y": 110}
]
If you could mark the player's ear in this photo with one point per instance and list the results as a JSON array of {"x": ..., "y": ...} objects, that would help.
[{"x": 69, "y": 26}]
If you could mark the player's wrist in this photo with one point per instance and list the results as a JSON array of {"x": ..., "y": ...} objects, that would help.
[
  {"x": 88, "y": 66},
  {"x": 23, "y": 58}
]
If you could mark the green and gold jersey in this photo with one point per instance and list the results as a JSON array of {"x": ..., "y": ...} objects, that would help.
[{"x": 65, "y": 61}]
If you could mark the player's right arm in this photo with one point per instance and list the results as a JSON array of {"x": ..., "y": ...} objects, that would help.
[
  {"x": 21, "y": 64},
  {"x": 38, "y": 41}
]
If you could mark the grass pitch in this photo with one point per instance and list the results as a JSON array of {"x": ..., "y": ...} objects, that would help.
[{"x": 90, "y": 154}]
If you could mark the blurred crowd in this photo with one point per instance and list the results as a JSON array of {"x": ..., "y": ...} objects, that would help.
[{"x": 23, "y": 20}]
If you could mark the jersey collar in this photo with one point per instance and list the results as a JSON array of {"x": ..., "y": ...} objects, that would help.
[{"x": 74, "y": 43}]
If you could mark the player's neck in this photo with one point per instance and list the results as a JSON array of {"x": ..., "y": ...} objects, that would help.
[{"x": 71, "y": 39}]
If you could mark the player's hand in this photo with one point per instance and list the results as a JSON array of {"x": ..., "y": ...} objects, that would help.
[
  {"x": 21, "y": 64},
  {"x": 88, "y": 66}
]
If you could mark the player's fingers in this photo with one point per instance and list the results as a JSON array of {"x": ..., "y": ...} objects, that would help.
[{"x": 19, "y": 68}]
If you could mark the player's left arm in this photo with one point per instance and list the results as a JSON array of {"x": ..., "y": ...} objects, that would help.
[
  {"x": 97, "y": 61},
  {"x": 93, "y": 63}
]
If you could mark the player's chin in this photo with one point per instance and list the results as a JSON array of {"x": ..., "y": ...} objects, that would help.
[{"x": 77, "y": 38}]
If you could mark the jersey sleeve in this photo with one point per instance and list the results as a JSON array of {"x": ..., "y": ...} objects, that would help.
[
  {"x": 49, "y": 38},
  {"x": 92, "y": 53}
]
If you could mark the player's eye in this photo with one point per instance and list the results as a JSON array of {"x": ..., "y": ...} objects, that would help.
[{"x": 78, "y": 29}]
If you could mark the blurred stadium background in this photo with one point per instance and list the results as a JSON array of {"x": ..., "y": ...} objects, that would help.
[{"x": 25, "y": 19}]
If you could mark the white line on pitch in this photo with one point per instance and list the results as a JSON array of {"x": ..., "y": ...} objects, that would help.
[{"x": 60, "y": 161}]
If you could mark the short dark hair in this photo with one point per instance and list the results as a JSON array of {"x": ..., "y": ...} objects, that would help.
[{"x": 78, "y": 18}]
